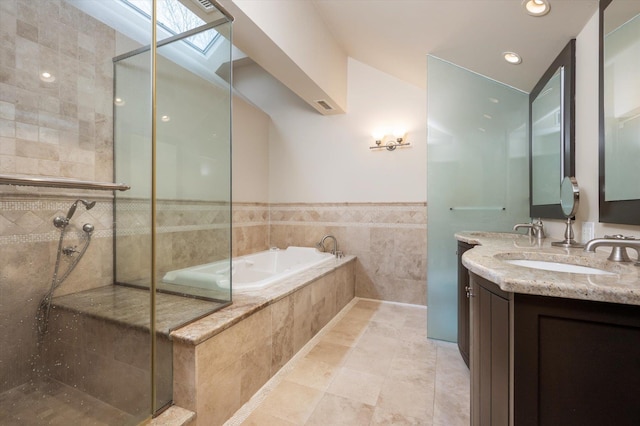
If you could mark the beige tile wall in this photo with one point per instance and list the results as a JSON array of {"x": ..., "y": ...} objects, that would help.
[
  {"x": 389, "y": 240},
  {"x": 106, "y": 360},
  {"x": 28, "y": 247},
  {"x": 188, "y": 233},
  {"x": 250, "y": 228},
  {"x": 61, "y": 128}
]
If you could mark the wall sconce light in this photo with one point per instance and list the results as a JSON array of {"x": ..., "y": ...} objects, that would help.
[{"x": 392, "y": 141}]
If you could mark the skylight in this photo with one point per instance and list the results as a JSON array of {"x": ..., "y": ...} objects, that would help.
[{"x": 175, "y": 18}]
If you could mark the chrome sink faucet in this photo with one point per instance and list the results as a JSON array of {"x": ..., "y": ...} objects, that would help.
[
  {"x": 535, "y": 229},
  {"x": 619, "y": 245}
]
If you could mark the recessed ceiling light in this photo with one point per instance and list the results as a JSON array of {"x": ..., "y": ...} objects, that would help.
[
  {"x": 536, "y": 7},
  {"x": 119, "y": 101},
  {"x": 512, "y": 57},
  {"x": 47, "y": 77},
  {"x": 487, "y": 116},
  {"x": 481, "y": 129},
  {"x": 494, "y": 100},
  {"x": 165, "y": 118}
]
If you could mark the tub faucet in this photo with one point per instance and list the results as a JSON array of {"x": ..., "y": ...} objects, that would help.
[
  {"x": 618, "y": 244},
  {"x": 534, "y": 229},
  {"x": 334, "y": 251}
]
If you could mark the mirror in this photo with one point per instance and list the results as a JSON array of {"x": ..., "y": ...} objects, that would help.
[
  {"x": 569, "y": 201},
  {"x": 619, "y": 152},
  {"x": 551, "y": 135},
  {"x": 569, "y": 196}
]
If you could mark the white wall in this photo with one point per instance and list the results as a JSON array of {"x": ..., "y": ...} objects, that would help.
[
  {"x": 587, "y": 138},
  {"x": 250, "y": 153},
  {"x": 314, "y": 158},
  {"x": 310, "y": 63}
]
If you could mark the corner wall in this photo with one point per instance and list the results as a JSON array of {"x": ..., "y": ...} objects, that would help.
[{"x": 323, "y": 179}]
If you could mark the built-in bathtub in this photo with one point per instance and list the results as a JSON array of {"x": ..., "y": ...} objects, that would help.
[
  {"x": 221, "y": 360},
  {"x": 251, "y": 272}
]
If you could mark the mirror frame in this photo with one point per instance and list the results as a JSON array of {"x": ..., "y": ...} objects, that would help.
[
  {"x": 566, "y": 59},
  {"x": 622, "y": 211}
]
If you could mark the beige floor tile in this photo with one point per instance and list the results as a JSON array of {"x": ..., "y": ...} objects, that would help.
[
  {"x": 329, "y": 353},
  {"x": 371, "y": 305},
  {"x": 373, "y": 367},
  {"x": 261, "y": 418},
  {"x": 377, "y": 343},
  {"x": 352, "y": 324},
  {"x": 314, "y": 374},
  {"x": 450, "y": 410},
  {"x": 383, "y": 329},
  {"x": 410, "y": 399},
  {"x": 367, "y": 361},
  {"x": 360, "y": 314},
  {"x": 387, "y": 418},
  {"x": 338, "y": 411},
  {"x": 357, "y": 386},
  {"x": 420, "y": 350},
  {"x": 452, "y": 379},
  {"x": 291, "y": 402},
  {"x": 417, "y": 371},
  {"x": 416, "y": 319},
  {"x": 345, "y": 336}
]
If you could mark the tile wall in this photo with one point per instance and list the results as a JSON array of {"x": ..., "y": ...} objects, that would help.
[
  {"x": 61, "y": 128},
  {"x": 250, "y": 228},
  {"x": 389, "y": 240},
  {"x": 188, "y": 233}
]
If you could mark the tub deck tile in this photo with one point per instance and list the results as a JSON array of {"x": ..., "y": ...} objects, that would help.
[{"x": 246, "y": 303}]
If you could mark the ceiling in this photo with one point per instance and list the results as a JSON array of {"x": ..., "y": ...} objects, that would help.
[{"x": 395, "y": 36}]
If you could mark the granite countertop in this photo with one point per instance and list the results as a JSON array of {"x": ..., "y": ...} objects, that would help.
[{"x": 486, "y": 260}]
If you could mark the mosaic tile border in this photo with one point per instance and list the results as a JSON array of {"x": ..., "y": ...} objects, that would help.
[{"x": 368, "y": 215}]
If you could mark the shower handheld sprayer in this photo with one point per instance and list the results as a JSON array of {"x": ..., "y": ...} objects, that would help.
[
  {"x": 63, "y": 221},
  {"x": 42, "y": 316}
]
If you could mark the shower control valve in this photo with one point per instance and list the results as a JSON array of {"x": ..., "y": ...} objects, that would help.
[
  {"x": 60, "y": 221},
  {"x": 69, "y": 251}
]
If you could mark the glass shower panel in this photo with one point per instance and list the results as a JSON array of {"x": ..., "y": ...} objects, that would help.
[
  {"x": 194, "y": 167},
  {"x": 193, "y": 183},
  {"x": 192, "y": 227},
  {"x": 477, "y": 174},
  {"x": 74, "y": 349}
]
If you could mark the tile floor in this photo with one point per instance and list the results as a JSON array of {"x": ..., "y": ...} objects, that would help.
[
  {"x": 372, "y": 365},
  {"x": 48, "y": 402}
]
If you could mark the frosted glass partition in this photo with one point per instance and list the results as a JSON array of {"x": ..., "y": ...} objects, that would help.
[{"x": 477, "y": 174}]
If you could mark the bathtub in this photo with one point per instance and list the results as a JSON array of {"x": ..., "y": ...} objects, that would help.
[{"x": 250, "y": 272}]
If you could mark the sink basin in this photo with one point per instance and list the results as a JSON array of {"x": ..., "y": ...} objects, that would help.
[{"x": 557, "y": 267}]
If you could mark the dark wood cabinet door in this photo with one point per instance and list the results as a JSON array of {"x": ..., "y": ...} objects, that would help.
[
  {"x": 489, "y": 354},
  {"x": 576, "y": 362},
  {"x": 463, "y": 303}
]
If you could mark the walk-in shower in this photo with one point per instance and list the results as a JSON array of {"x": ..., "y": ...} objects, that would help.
[{"x": 95, "y": 93}]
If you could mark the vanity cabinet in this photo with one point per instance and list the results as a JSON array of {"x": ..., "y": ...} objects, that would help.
[
  {"x": 576, "y": 362},
  {"x": 540, "y": 360},
  {"x": 490, "y": 353},
  {"x": 463, "y": 303}
]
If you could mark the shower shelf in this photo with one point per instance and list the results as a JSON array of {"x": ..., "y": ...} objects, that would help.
[{"x": 61, "y": 183}]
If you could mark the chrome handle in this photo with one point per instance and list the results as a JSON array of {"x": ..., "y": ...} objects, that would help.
[{"x": 467, "y": 290}]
